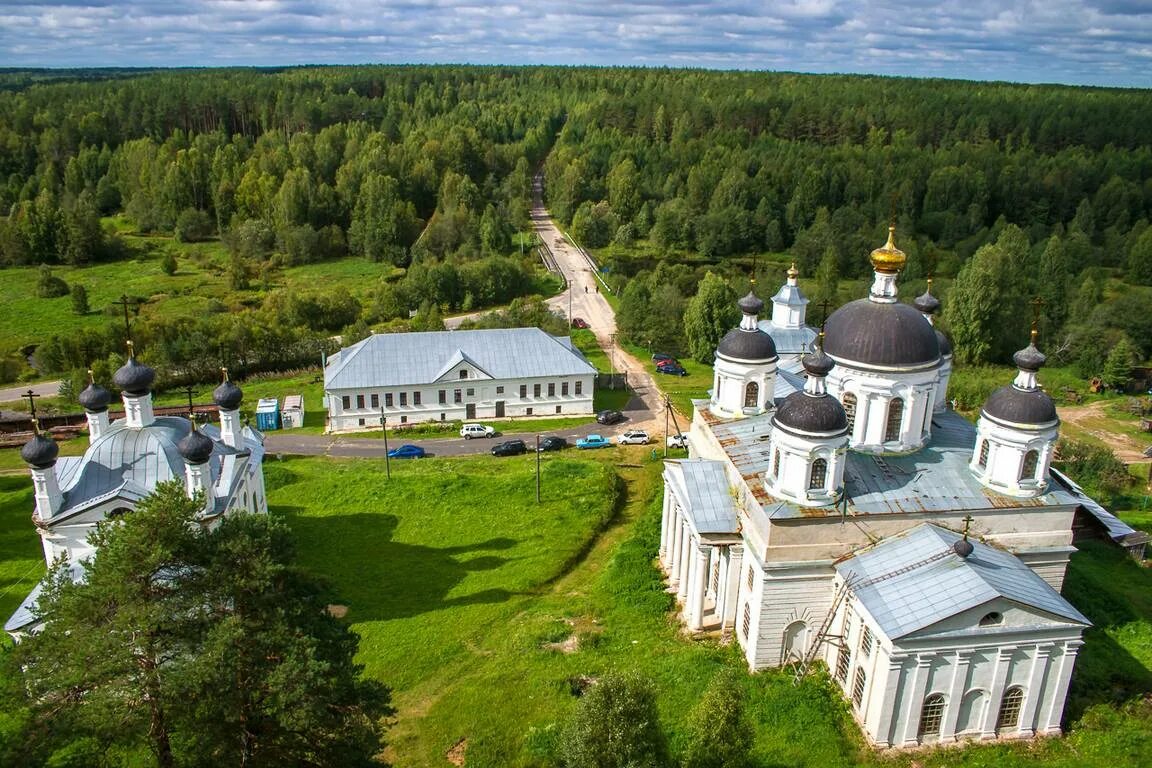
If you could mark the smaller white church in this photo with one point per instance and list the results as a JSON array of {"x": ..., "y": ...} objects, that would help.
[
  {"x": 126, "y": 459},
  {"x": 833, "y": 509}
]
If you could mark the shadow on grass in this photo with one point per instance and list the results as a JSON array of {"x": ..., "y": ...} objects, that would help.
[
  {"x": 381, "y": 579},
  {"x": 1116, "y": 595}
]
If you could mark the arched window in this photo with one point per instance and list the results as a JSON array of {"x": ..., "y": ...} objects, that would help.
[
  {"x": 858, "y": 684},
  {"x": 931, "y": 715},
  {"x": 895, "y": 416},
  {"x": 795, "y": 641},
  {"x": 843, "y": 659},
  {"x": 1028, "y": 468},
  {"x": 1010, "y": 705},
  {"x": 849, "y": 403},
  {"x": 982, "y": 462},
  {"x": 992, "y": 619},
  {"x": 819, "y": 474},
  {"x": 971, "y": 712},
  {"x": 747, "y": 623},
  {"x": 751, "y": 394}
]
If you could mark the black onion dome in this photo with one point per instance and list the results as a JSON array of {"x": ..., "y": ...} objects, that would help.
[
  {"x": 40, "y": 452},
  {"x": 926, "y": 303},
  {"x": 963, "y": 547},
  {"x": 1020, "y": 406},
  {"x": 879, "y": 334},
  {"x": 751, "y": 346},
  {"x": 227, "y": 396},
  {"x": 1029, "y": 359},
  {"x": 95, "y": 398},
  {"x": 945, "y": 344},
  {"x": 751, "y": 304},
  {"x": 195, "y": 448},
  {"x": 811, "y": 413},
  {"x": 134, "y": 378},
  {"x": 817, "y": 363}
]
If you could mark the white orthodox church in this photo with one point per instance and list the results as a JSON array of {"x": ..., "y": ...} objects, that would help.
[
  {"x": 833, "y": 509},
  {"x": 126, "y": 459}
]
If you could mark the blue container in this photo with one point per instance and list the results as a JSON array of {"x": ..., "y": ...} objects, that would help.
[{"x": 268, "y": 414}]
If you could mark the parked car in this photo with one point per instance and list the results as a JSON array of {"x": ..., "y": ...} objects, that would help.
[
  {"x": 469, "y": 431},
  {"x": 593, "y": 441},
  {"x": 678, "y": 441},
  {"x": 552, "y": 443},
  {"x": 672, "y": 369},
  {"x": 633, "y": 437},
  {"x": 579, "y": 322},
  {"x": 609, "y": 417},
  {"x": 660, "y": 357},
  {"x": 509, "y": 448},
  {"x": 407, "y": 452}
]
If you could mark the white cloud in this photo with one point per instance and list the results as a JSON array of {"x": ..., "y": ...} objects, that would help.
[{"x": 1077, "y": 41}]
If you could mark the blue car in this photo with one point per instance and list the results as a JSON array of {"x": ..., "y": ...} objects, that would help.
[
  {"x": 593, "y": 441},
  {"x": 406, "y": 452}
]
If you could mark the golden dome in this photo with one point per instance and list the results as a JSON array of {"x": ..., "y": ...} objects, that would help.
[
  {"x": 793, "y": 273},
  {"x": 888, "y": 258}
]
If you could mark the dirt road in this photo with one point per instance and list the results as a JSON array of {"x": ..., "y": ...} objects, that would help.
[{"x": 1094, "y": 420}]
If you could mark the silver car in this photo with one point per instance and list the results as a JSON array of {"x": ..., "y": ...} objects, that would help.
[{"x": 633, "y": 437}]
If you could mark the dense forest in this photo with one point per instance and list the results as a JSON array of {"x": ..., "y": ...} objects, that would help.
[{"x": 1005, "y": 191}]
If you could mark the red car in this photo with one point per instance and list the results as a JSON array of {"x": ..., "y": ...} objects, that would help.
[{"x": 579, "y": 322}]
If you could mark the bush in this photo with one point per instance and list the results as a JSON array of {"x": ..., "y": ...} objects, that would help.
[
  {"x": 193, "y": 225},
  {"x": 168, "y": 263},
  {"x": 615, "y": 724},
  {"x": 49, "y": 286},
  {"x": 1094, "y": 467},
  {"x": 80, "y": 299},
  {"x": 720, "y": 735}
]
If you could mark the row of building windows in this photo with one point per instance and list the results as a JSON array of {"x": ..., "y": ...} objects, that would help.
[
  {"x": 1008, "y": 718},
  {"x": 458, "y": 395},
  {"x": 1027, "y": 468},
  {"x": 891, "y": 426}
]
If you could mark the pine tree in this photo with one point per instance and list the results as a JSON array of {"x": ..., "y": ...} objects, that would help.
[{"x": 1117, "y": 373}]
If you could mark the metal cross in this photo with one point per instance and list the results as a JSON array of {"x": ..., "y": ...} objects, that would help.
[
  {"x": 968, "y": 520},
  {"x": 30, "y": 395},
  {"x": 824, "y": 311},
  {"x": 189, "y": 391},
  {"x": 127, "y": 302}
]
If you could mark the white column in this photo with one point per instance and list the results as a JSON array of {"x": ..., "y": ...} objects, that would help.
[
  {"x": 686, "y": 564},
  {"x": 724, "y": 561},
  {"x": 732, "y": 587},
  {"x": 230, "y": 429},
  {"x": 891, "y": 682},
  {"x": 664, "y": 528},
  {"x": 698, "y": 587},
  {"x": 676, "y": 570},
  {"x": 915, "y": 702},
  {"x": 1027, "y": 723},
  {"x": 996, "y": 693},
  {"x": 46, "y": 490},
  {"x": 955, "y": 696},
  {"x": 1055, "y": 711}
]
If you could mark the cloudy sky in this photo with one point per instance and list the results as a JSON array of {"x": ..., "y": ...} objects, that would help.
[{"x": 1100, "y": 42}]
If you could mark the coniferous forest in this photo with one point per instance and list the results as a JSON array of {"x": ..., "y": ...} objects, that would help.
[{"x": 1003, "y": 192}]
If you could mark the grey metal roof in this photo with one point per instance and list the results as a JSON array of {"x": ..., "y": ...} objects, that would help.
[
  {"x": 1013, "y": 405},
  {"x": 789, "y": 341},
  {"x": 703, "y": 485},
  {"x": 1118, "y": 530},
  {"x": 25, "y": 615},
  {"x": 934, "y": 479},
  {"x": 790, "y": 295},
  {"x": 872, "y": 333},
  {"x": 913, "y": 580},
  {"x": 741, "y": 344},
  {"x": 395, "y": 359}
]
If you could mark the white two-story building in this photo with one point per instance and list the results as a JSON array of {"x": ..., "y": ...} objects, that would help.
[{"x": 456, "y": 375}]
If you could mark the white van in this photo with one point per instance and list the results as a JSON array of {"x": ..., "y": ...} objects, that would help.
[{"x": 469, "y": 431}]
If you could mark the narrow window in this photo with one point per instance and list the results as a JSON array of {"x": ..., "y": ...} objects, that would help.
[
  {"x": 457, "y": 395},
  {"x": 751, "y": 577},
  {"x": 388, "y": 399},
  {"x": 443, "y": 396},
  {"x": 415, "y": 398},
  {"x": 375, "y": 400},
  {"x": 359, "y": 401},
  {"x": 527, "y": 411},
  {"x": 866, "y": 641},
  {"x": 523, "y": 390},
  {"x": 895, "y": 416},
  {"x": 499, "y": 390},
  {"x": 403, "y": 398},
  {"x": 843, "y": 660},
  {"x": 1010, "y": 705},
  {"x": 858, "y": 687},
  {"x": 464, "y": 373},
  {"x": 850, "y": 410},
  {"x": 563, "y": 388},
  {"x": 982, "y": 462},
  {"x": 1028, "y": 470},
  {"x": 751, "y": 394},
  {"x": 776, "y": 465},
  {"x": 403, "y": 419},
  {"x": 535, "y": 390},
  {"x": 551, "y": 389},
  {"x": 579, "y": 387},
  {"x": 747, "y": 623},
  {"x": 346, "y": 402},
  {"x": 361, "y": 422},
  {"x": 819, "y": 474},
  {"x": 559, "y": 408},
  {"x": 931, "y": 715}
]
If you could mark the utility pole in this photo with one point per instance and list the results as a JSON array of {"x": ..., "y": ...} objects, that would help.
[
  {"x": 384, "y": 426},
  {"x": 537, "y": 469},
  {"x": 667, "y": 410}
]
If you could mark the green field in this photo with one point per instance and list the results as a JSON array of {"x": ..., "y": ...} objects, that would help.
[{"x": 481, "y": 608}]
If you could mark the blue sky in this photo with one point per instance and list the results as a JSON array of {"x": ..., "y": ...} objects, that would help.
[{"x": 1097, "y": 42}]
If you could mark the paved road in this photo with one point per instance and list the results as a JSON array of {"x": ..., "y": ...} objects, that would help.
[{"x": 45, "y": 389}]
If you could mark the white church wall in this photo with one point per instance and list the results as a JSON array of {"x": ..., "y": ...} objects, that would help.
[
  {"x": 788, "y": 595},
  {"x": 874, "y": 392}
]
